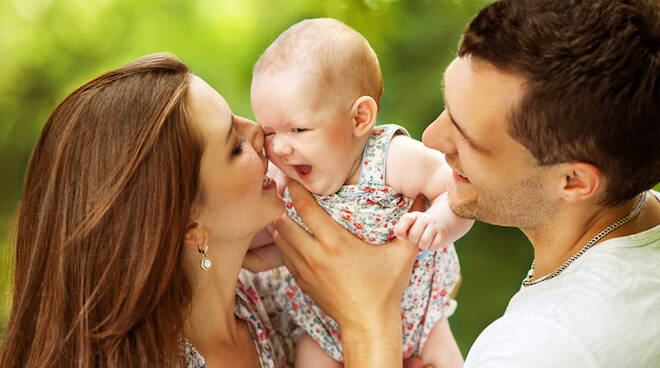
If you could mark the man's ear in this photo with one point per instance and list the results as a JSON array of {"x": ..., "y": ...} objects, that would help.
[
  {"x": 363, "y": 115},
  {"x": 195, "y": 234},
  {"x": 580, "y": 181}
]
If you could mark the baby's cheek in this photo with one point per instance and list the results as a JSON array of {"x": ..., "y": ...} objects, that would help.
[
  {"x": 268, "y": 146},
  {"x": 338, "y": 136}
]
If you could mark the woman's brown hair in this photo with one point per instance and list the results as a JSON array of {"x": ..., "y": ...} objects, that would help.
[{"x": 98, "y": 278}]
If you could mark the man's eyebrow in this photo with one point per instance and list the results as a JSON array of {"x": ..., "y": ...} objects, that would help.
[
  {"x": 231, "y": 128},
  {"x": 458, "y": 127}
]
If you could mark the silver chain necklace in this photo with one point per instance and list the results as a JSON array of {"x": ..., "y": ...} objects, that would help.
[{"x": 528, "y": 280}]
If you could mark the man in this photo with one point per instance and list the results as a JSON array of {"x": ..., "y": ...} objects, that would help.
[{"x": 550, "y": 125}]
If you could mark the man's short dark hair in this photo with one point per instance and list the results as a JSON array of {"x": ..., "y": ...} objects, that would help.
[{"x": 593, "y": 89}]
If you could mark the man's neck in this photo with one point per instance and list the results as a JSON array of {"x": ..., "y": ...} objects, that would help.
[{"x": 566, "y": 234}]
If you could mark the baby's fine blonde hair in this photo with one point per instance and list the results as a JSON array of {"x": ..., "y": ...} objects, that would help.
[{"x": 334, "y": 54}]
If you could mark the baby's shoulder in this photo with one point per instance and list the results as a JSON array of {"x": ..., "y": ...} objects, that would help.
[{"x": 407, "y": 154}]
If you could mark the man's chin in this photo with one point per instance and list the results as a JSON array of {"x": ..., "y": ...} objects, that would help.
[{"x": 466, "y": 209}]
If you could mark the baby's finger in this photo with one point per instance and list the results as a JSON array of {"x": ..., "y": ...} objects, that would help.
[
  {"x": 440, "y": 239},
  {"x": 437, "y": 242},
  {"x": 402, "y": 227},
  {"x": 427, "y": 238},
  {"x": 417, "y": 229}
]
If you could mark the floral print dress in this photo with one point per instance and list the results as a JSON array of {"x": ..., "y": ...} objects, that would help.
[
  {"x": 370, "y": 210},
  {"x": 269, "y": 325}
]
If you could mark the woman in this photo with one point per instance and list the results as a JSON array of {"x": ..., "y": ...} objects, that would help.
[
  {"x": 141, "y": 198},
  {"x": 140, "y": 201}
]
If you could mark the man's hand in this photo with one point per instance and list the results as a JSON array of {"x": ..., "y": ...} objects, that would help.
[
  {"x": 358, "y": 284},
  {"x": 342, "y": 273}
]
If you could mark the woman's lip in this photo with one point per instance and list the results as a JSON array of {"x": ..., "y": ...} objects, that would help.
[{"x": 460, "y": 178}]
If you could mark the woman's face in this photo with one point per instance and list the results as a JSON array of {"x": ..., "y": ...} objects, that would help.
[{"x": 235, "y": 202}]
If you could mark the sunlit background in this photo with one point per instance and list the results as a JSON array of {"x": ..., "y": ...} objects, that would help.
[{"x": 49, "y": 47}]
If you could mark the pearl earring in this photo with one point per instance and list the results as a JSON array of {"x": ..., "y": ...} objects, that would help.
[{"x": 205, "y": 262}]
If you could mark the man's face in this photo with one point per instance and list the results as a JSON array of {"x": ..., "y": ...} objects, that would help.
[{"x": 495, "y": 179}]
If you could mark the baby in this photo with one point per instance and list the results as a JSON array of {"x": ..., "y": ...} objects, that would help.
[{"x": 316, "y": 93}]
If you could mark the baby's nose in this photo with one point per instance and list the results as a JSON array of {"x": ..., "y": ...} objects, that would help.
[{"x": 281, "y": 147}]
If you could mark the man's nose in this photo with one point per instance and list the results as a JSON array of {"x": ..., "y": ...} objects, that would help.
[{"x": 438, "y": 135}]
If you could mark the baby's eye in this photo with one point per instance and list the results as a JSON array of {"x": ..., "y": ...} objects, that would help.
[{"x": 298, "y": 130}]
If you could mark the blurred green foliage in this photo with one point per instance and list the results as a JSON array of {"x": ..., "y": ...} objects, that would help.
[{"x": 49, "y": 47}]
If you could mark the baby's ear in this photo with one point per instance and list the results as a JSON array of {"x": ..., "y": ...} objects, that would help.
[{"x": 363, "y": 115}]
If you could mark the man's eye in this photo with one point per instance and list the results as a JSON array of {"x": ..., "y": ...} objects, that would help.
[
  {"x": 266, "y": 134},
  {"x": 298, "y": 130},
  {"x": 239, "y": 148}
]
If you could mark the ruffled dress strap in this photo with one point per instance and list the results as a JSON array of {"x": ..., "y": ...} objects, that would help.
[{"x": 374, "y": 156}]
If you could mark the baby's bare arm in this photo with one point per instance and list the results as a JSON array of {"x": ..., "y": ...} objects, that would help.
[{"x": 414, "y": 169}]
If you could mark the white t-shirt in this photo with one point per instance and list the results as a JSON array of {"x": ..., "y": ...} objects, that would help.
[{"x": 602, "y": 311}]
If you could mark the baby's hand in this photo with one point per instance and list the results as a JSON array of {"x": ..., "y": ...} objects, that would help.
[
  {"x": 278, "y": 176},
  {"x": 422, "y": 229}
]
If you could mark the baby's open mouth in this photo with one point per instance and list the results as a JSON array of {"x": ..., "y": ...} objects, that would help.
[{"x": 303, "y": 170}]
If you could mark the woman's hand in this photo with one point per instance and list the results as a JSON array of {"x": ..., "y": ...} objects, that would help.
[{"x": 358, "y": 284}]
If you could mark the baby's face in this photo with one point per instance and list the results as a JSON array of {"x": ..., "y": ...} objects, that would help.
[{"x": 308, "y": 136}]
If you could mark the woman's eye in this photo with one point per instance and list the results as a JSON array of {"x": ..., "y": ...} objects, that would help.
[
  {"x": 298, "y": 130},
  {"x": 239, "y": 148}
]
